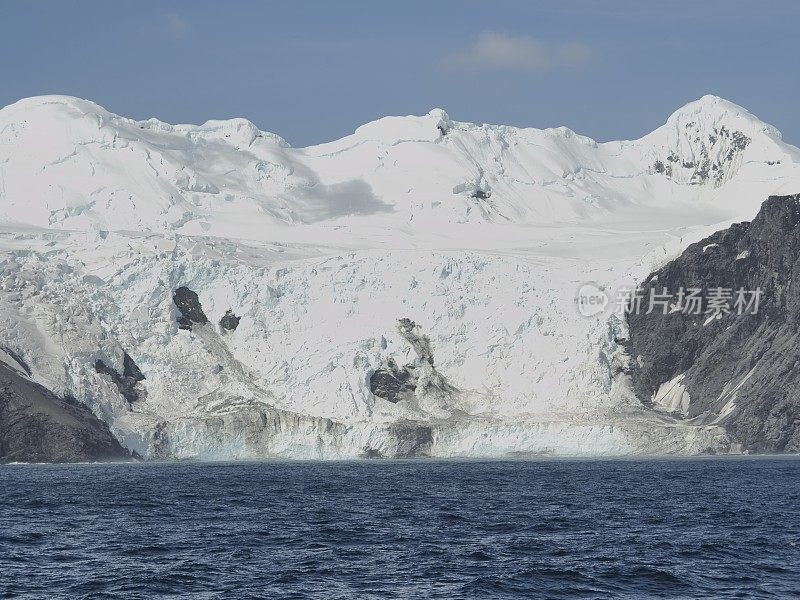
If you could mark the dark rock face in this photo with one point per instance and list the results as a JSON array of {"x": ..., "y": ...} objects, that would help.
[
  {"x": 393, "y": 382},
  {"x": 161, "y": 443},
  {"x": 131, "y": 369},
  {"x": 408, "y": 439},
  {"x": 740, "y": 370},
  {"x": 229, "y": 321},
  {"x": 38, "y": 426},
  {"x": 18, "y": 359},
  {"x": 713, "y": 155},
  {"x": 371, "y": 453},
  {"x": 189, "y": 305},
  {"x": 419, "y": 342},
  {"x": 413, "y": 439},
  {"x": 128, "y": 382}
]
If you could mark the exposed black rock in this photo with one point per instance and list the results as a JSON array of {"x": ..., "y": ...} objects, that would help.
[
  {"x": 131, "y": 369},
  {"x": 128, "y": 382},
  {"x": 712, "y": 155},
  {"x": 419, "y": 342},
  {"x": 413, "y": 439},
  {"x": 477, "y": 189},
  {"x": 371, "y": 453},
  {"x": 229, "y": 321},
  {"x": 391, "y": 382},
  {"x": 189, "y": 305},
  {"x": 160, "y": 444},
  {"x": 741, "y": 371},
  {"x": 407, "y": 439},
  {"x": 38, "y": 426},
  {"x": 18, "y": 359}
]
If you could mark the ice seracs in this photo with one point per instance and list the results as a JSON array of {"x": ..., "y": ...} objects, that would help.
[{"x": 117, "y": 234}]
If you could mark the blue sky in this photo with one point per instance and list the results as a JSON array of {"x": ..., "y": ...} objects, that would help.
[{"x": 314, "y": 71}]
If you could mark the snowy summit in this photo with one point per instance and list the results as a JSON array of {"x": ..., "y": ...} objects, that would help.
[{"x": 209, "y": 291}]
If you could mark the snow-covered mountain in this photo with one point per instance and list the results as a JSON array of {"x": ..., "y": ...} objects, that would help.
[
  {"x": 735, "y": 367},
  {"x": 209, "y": 291}
]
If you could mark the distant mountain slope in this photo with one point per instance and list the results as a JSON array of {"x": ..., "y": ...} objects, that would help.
[
  {"x": 37, "y": 426},
  {"x": 208, "y": 291},
  {"x": 70, "y": 164},
  {"x": 738, "y": 370}
]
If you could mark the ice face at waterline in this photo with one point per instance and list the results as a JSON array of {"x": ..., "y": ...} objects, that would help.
[{"x": 480, "y": 235}]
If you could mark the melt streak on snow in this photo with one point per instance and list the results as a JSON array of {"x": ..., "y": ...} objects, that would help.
[{"x": 480, "y": 234}]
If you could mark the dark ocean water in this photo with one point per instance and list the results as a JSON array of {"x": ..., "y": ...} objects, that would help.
[{"x": 721, "y": 528}]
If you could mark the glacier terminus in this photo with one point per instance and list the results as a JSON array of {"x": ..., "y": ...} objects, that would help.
[{"x": 208, "y": 291}]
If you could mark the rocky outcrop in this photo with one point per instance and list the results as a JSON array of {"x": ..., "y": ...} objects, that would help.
[
  {"x": 190, "y": 308},
  {"x": 711, "y": 365},
  {"x": 21, "y": 364},
  {"x": 420, "y": 342},
  {"x": 404, "y": 439},
  {"x": 37, "y": 426},
  {"x": 478, "y": 189},
  {"x": 709, "y": 156},
  {"x": 128, "y": 381},
  {"x": 229, "y": 321},
  {"x": 391, "y": 382},
  {"x": 394, "y": 383},
  {"x": 414, "y": 440}
]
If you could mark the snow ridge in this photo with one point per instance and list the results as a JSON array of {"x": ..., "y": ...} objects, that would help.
[{"x": 477, "y": 235}]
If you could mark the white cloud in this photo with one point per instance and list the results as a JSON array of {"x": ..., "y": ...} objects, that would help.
[
  {"x": 503, "y": 52},
  {"x": 176, "y": 26}
]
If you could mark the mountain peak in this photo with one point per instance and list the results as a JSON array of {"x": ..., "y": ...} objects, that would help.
[
  {"x": 708, "y": 140},
  {"x": 393, "y": 129},
  {"x": 710, "y": 103},
  {"x": 55, "y": 100},
  {"x": 712, "y": 111},
  {"x": 69, "y": 163}
]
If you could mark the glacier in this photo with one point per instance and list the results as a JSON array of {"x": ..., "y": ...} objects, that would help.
[{"x": 479, "y": 235}]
